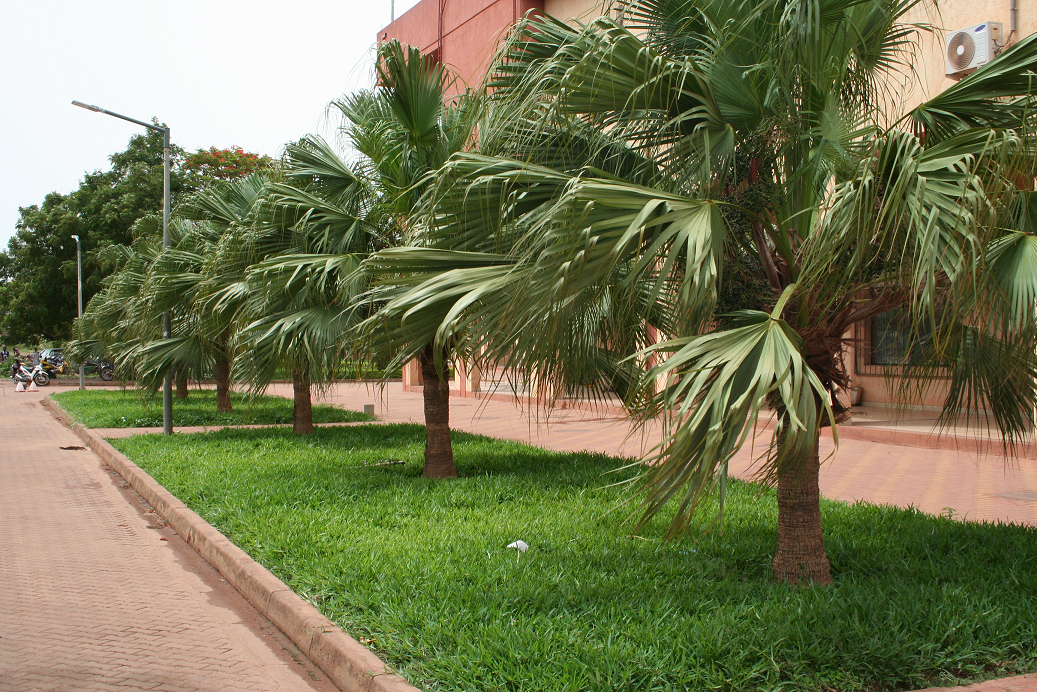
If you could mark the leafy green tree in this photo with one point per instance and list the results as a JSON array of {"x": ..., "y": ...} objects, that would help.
[
  {"x": 629, "y": 170},
  {"x": 39, "y": 265},
  {"x": 38, "y": 269}
]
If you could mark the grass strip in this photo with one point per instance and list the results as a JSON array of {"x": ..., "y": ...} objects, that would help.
[
  {"x": 418, "y": 570},
  {"x": 128, "y": 409}
]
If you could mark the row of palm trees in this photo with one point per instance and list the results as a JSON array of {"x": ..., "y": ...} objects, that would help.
[{"x": 739, "y": 176}]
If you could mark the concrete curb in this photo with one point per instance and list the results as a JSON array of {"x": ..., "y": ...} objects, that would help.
[{"x": 347, "y": 662}]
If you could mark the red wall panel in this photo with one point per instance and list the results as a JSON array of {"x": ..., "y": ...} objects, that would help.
[{"x": 471, "y": 31}]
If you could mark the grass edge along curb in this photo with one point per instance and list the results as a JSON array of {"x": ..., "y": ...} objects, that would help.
[{"x": 347, "y": 662}]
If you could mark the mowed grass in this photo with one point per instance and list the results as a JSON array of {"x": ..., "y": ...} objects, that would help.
[
  {"x": 418, "y": 570},
  {"x": 127, "y": 409}
]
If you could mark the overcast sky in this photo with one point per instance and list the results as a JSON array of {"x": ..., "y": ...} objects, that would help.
[{"x": 255, "y": 74}]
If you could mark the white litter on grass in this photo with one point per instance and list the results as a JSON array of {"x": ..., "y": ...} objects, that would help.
[{"x": 519, "y": 546}]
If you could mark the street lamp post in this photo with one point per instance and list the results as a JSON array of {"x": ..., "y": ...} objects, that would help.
[
  {"x": 167, "y": 385},
  {"x": 79, "y": 290}
]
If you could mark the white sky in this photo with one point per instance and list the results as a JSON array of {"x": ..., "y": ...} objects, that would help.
[{"x": 255, "y": 74}]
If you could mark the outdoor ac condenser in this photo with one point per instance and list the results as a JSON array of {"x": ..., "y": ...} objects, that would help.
[{"x": 972, "y": 47}]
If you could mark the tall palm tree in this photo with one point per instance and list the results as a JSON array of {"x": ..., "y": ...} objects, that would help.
[
  {"x": 404, "y": 131},
  {"x": 741, "y": 153}
]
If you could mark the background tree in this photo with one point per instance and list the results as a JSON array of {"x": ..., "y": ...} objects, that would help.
[
  {"x": 207, "y": 165},
  {"x": 39, "y": 265},
  {"x": 38, "y": 269}
]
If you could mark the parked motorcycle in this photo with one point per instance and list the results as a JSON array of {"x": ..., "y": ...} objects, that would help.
[
  {"x": 105, "y": 369},
  {"x": 20, "y": 373},
  {"x": 54, "y": 367}
]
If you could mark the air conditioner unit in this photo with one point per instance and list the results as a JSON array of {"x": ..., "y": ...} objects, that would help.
[{"x": 972, "y": 47}]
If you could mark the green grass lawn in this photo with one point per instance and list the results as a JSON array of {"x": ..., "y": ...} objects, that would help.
[
  {"x": 126, "y": 409},
  {"x": 419, "y": 571}
]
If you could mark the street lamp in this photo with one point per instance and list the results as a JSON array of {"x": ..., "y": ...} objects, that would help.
[
  {"x": 167, "y": 385},
  {"x": 79, "y": 287}
]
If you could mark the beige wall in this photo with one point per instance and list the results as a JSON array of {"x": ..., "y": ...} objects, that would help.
[
  {"x": 879, "y": 389},
  {"x": 928, "y": 80},
  {"x": 949, "y": 16},
  {"x": 566, "y": 10}
]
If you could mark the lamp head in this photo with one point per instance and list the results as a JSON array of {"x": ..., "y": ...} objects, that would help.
[{"x": 95, "y": 109}]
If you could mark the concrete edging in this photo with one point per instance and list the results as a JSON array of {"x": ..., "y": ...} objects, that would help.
[{"x": 349, "y": 664}]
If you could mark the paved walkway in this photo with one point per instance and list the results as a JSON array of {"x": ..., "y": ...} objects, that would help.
[{"x": 97, "y": 594}]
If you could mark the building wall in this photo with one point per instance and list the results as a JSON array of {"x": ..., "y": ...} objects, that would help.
[
  {"x": 928, "y": 80},
  {"x": 463, "y": 34},
  {"x": 568, "y": 10},
  {"x": 950, "y": 16}
]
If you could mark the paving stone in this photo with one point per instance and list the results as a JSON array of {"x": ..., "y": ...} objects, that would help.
[
  {"x": 91, "y": 599},
  {"x": 978, "y": 487}
]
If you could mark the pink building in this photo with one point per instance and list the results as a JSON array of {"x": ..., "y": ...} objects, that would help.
[{"x": 460, "y": 33}]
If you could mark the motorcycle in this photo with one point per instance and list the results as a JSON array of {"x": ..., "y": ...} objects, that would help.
[
  {"x": 105, "y": 369},
  {"x": 20, "y": 373},
  {"x": 55, "y": 367}
]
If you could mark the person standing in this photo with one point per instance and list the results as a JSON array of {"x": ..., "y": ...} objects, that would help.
[
  {"x": 35, "y": 357},
  {"x": 4, "y": 354}
]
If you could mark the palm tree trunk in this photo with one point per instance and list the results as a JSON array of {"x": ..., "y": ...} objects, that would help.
[
  {"x": 223, "y": 385},
  {"x": 439, "y": 453},
  {"x": 800, "y": 558},
  {"x": 302, "y": 422},
  {"x": 181, "y": 384}
]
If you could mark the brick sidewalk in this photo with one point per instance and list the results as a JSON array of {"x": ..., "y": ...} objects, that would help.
[{"x": 97, "y": 594}]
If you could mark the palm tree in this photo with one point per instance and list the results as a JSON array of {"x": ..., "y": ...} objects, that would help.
[
  {"x": 404, "y": 131},
  {"x": 726, "y": 172},
  {"x": 116, "y": 323},
  {"x": 188, "y": 279},
  {"x": 297, "y": 301}
]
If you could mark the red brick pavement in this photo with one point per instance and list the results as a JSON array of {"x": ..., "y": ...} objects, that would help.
[
  {"x": 97, "y": 594},
  {"x": 1019, "y": 683}
]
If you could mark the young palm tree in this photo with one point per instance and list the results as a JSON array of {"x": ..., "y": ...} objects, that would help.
[
  {"x": 297, "y": 302},
  {"x": 116, "y": 322},
  {"x": 404, "y": 131},
  {"x": 189, "y": 277},
  {"x": 701, "y": 150}
]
